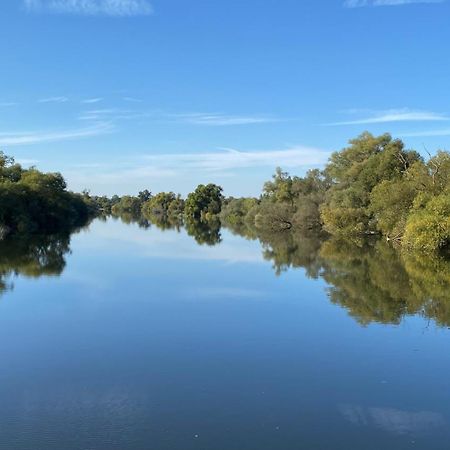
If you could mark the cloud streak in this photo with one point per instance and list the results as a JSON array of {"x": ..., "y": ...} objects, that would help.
[
  {"x": 218, "y": 119},
  {"x": 111, "y": 114},
  {"x": 92, "y": 100},
  {"x": 113, "y": 8},
  {"x": 7, "y": 104},
  {"x": 396, "y": 115},
  {"x": 427, "y": 133},
  {"x": 187, "y": 168},
  {"x": 231, "y": 159},
  {"x": 363, "y": 3},
  {"x": 54, "y": 100},
  {"x": 30, "y": 138}
]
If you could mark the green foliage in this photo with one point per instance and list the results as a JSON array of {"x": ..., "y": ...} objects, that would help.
[
  {"x": 274, "y": 216},
  {"x": 204, "y": 203},
  {"x": 428, "y": 226},
  {"x": 32, "y": 201},
  {"x": 235, "y": 210},
  {"x": 290, "y": 202},
  {"x": 355, "y": 172},
  {"x": 280, "y": 189},
  {"x": 127, "y": 205},
  {"x": 164, "y": 204},
  {"x": 373, "y": 186},
  {"x": 145, "y": 195},
  {"x": 390, "y": 203}
]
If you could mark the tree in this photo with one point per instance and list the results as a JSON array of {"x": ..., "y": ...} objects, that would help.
[
  {"x": 145, "y": 195},
  {"x": 127, "y": 204},
  {"x": 204, "y": 203},
  {"x": 428, "y": 226},
  {"x": 391, "y": 202},
  {"x": 234, "y": 210},
  {"x": 280, "y": 189},
  {"x": 164, "y": 204},
  {"x": 354, "y": 172},
  {"x": 32, "y": 201}
]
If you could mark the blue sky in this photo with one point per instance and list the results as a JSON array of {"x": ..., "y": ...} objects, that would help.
[{"x": 121, "y": 95}]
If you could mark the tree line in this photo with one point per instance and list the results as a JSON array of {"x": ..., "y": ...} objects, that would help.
[
  {"x": 372, "y": 187},
  {"x": 35, "y": 202},
  {"x": 375, "y": 186}
]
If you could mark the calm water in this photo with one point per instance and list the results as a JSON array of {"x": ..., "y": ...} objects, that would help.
[{"x": 129, "y": 338}]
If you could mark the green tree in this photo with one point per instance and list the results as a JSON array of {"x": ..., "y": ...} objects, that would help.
[
  {"x": 354, "y": 172},
  {"x": 428, "y": 225},
  {"x": 204, "y": 203}
]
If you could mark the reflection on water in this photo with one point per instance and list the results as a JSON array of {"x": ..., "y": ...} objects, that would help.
[
  {"x": 371, "y": 279},
  {"x": 247, "y": 341},
  {"x": 32, "y": 257},
  {"x": 393, "y": 420}
]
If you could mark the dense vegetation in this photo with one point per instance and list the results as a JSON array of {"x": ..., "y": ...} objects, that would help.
[
  {"x": 374, "y": 186},
  {"x": 325, "y": 222},
  {"x": 32, "y": 201}
]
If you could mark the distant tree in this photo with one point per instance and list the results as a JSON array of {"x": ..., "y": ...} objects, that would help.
[
  {"x": 145, "y": 195},
  {"x": 127, "y": 204},
  {"x": 234, "y": 210},
  {"x": 164, "y": 204},
  {"x": 204, "y": 203},
  {"x": 280, "y": 189}
]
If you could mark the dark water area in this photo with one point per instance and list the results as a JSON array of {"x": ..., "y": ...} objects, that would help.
[{"x": 127, "y": 336}]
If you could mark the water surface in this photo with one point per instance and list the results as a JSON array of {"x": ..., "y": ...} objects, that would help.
[{"x": 128, "y": 338}]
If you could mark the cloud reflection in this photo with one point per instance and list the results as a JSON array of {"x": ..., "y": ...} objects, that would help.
[{"x": 393, "y": 420}]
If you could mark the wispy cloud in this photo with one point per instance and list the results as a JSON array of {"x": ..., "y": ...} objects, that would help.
[
  {"x": 362, "y": 3},
  {"x": 230, "y": 159},
  {"x": 182, "y": 171},
  {"x": 92, "y": 100},
  {"x": 197, "y": 119},
  {"x": 218, "y": 163},
  {"x": 219, "y": 119},
  {"x": 53, "y": 100},
  {"x": 132, "y": 99},
  {"x": 396, "y": 115},
  {"x": 29, "y": 138},
  {"x": 111, "y": 114},
  {"x": 7, "y": 104},
  {"x": 27, "y": 161},
  {"x": 117, "y": 8},
  {"x": 427, "y": 133}
]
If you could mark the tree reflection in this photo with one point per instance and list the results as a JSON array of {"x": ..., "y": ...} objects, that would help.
[
  {"x": 372, "y": 280},
  {"x": 165, "y": 222},
  {"x": 32, "y": 256},
  {"x": 130, "y": 217},
  {"x": 204, "y": 231},
  {"x": 369, "y": 280}
]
